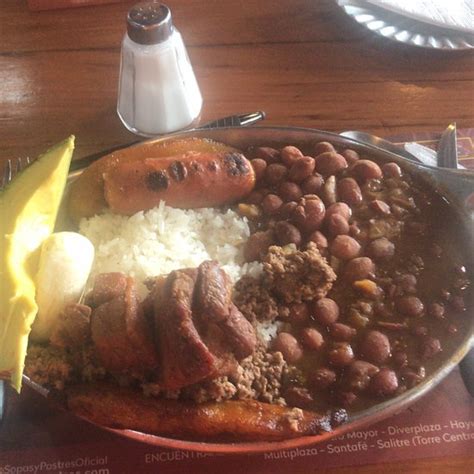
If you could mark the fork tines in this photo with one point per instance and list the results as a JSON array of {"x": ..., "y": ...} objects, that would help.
[
  {"x": 12, "y": 168},
  {"x": 7, "y": 174}
]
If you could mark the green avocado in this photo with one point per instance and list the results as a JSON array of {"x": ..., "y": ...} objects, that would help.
[{"x": 28, "y": 210}]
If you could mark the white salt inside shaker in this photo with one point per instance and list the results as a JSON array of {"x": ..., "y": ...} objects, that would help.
[{"x": 158, "y": 91}]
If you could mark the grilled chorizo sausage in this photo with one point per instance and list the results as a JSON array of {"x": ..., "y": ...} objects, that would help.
[
  {"x": 86, "y": 193},
  {"x": 192, "y": 180}
]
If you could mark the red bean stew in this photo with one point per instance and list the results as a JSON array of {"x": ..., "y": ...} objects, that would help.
[{"x": 402, "y": 285}]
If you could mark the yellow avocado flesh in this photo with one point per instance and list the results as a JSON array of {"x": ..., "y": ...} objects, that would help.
[{"x": 28, "y": 210}]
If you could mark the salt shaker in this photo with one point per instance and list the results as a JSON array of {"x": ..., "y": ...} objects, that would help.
[{"x": 158, "y": 91}]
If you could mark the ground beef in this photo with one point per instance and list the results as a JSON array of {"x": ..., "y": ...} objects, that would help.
[
  {"x": 54, "y": 366},
  {"x": 261, "y": 377},
  {"x": 289, "y": 275},
  {"x": 86, "y": 359},
  {"x": 153, "y": 389},
  {"x": 254, "y": 301},
  {"x": 218, "y": 389},
  {"x": 48, "y": 366},
  {"x": 297, "y": 276}
]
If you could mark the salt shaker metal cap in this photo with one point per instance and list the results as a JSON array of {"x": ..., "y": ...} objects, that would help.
[
  {"x": 149, "y": 23},
  {"x": 158, "y": 90}
]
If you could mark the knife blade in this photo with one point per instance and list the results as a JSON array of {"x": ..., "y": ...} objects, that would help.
[
  {"x": 3, "y": 400},
  {"x": 379, "y": 143},
  {"x": 448, "y": 148}
]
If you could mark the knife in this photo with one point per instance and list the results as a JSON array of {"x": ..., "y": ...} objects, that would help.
[{"x": 448, "y": 148}]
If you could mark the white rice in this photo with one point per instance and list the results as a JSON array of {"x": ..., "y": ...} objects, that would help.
[
  {"x": 267, "y": 330},
  {"x": 164, "y": 239}
]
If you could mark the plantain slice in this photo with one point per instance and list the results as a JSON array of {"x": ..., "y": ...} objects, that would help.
[{"x": 249, "y": 420}]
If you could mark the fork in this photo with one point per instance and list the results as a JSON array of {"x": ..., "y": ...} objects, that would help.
[{"x": 12, "y": 168}]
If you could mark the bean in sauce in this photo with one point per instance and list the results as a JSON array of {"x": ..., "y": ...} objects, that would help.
[
  {"x": 363, "y": 170},
  {"x": 374, "y": 347},
  {"x": 349, "y": 191},
  {"x": 319, "y": 239},
  {"x": 341, "y": 354},
  {"x": 312, "y": 339},
  {"x": 337, "y": 225},
  {"x": 325, "y": 311},
  {"x": 351, "y": 156},
  {"x": 381, "y": 248},
  {"x": 275, "y": 173},
  {"x": 271, "y": 203},
  {"x": 287, "y": 233},
  {"x": 290, "y": 155},
  {"x": 340, "y": 208},
  {"x": 288, "y": 345},
  {"x": 330, "y": 163},
  {"x": 301, "y": 169},
  {"x": 384, "y": 383},
  {"x": 289, "y": 191},
  {"x": 259, "y": 165},
  {"x": 359, "y": 268},
  {"x": 312, "y": 184},
  {"x": 323, "y": 147},
  {"x": 345, "y": 247}
]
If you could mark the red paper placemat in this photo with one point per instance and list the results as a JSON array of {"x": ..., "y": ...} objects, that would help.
[{"x": 37, "y": 438}]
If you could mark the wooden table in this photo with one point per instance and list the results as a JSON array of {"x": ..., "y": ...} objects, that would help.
[{"x": 302, "y": 61}]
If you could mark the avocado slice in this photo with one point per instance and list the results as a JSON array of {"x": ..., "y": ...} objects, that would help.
[{"x": 28, "y": 210}]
